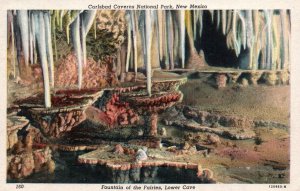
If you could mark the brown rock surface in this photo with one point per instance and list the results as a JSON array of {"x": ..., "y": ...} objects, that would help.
[{"x": 95, "y": 75}]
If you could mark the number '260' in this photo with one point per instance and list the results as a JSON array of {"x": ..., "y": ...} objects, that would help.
[{"x": 19, "y": 186}]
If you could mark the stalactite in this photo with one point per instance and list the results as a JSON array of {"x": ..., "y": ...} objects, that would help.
[
  {"x": 165, "y": 55},
  {"x": 270, "y": 38},
  {"x": 22, "y": 17},
  {"x": 285, "y": 36},
  {"x": 189, "y": 31},
  {"x": 49, "y": 51},
  {"x": 170, "y": 38},
  {"x": 129, "y": 29},
  {"x": 224, "y": 17},
  {"x": 95, "y": 29},
  {"x": 166, "y": 39},
  {"x": 11, "y": 36},
  {"x": 31, "y": 41},
  {"x": 161, "y": 21},
  {"x": 53, "y": 32},
  {"x": 243, "y": 29},
  {"x": 68, "y": 19},
  {"x": 141, "y": 29},
  {"x": 288, "y": 18},
  {"x": 263, "y": 41},
  {"x": 57, "y": 17},
  {"x": 182, "y": 36},
  {"x": 249, "y": 35},
  {"x": 87, "y": 18},
  {"x": 218, "y": 19},
  {"x": 155, "y": 43},
  {"x": 60, "y": 19},
  {"x": 148, "y": 31},
  {"x": 235, "y": 42},
  {"x": 176, "y": 39},
  {"x": 134, "y": 22},
  {"x": 82, "y": 40},
  {"x": 13, "y": 54},
  {"x": 41, "y": 45},
  {"x": 256, "y": 43},
  {"x": 228, "y": 20},
  {"x": 195, "y": 19},
  {"x": 75, "y": 30},
  {"x": 212, "y": 15},
  {"x": 200, "y": 21}
]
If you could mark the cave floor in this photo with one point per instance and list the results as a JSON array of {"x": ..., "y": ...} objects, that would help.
[{"x": 261, "y": 159}]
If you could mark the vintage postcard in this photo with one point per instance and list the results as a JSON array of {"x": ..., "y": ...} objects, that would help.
[{"x": 150, "y": 95}]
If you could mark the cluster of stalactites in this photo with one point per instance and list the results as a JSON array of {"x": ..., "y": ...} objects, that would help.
[
  {"x": 31, "y": 38},
  {"x": 167, "y": 39},
  {"x": 265, "y": 34},
  {"x": 33, "y": 34}
]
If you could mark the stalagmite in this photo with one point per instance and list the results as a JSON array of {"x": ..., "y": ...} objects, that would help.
[
  {"x": 195, "y": 61},
  {"x": 41, "y": 45},
  {"x": 22, "y": 18},
  {"x": 148, "y": 31},
  {"x": 75, "y": 29},
  {"x": 129, "y": 28},
  {"x": 182, "y": 36}
]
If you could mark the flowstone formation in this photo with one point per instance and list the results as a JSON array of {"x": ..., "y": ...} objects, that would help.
[{"x": 165, "y": 94}]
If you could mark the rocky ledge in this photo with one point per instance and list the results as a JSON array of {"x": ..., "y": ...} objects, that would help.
[
  {"x": 14, "y": 124},
  {"x": 132, "y": 157}
]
